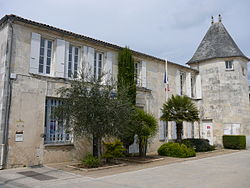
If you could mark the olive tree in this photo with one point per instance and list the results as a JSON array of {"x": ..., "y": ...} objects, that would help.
[{"x": 90, "y": 108}]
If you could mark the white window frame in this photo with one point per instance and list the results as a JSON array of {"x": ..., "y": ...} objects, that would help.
[
  {"x": 229, "y": 65},
  {"x": 98, "y": 64},
  {"x": 138, "y": 73},
  {"x": 73, "y": 61},
  {"x": 43, "y": 66},
  {"x": 55, "y": 131}
]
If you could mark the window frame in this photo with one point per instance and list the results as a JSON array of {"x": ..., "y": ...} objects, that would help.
[
  {"x": 229, "y": 65},
  {"x": 72, "y": 65},
  {"x": 98, "y": 64},
  {"x": 53, "y": 133},
  {"x": 182, "y": 82},
  {"x": 138, "y": 73},
  {"x": 43, "y": 58}
]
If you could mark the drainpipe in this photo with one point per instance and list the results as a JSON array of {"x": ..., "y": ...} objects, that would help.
[{"x": 4, "y": 150}]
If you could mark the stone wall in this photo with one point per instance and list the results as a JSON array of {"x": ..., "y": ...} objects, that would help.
[{"x": 225, "y": 95}]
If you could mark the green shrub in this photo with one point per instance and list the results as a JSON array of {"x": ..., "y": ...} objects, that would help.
[
  {"x": 176, "y": 150},
  {"x": 199, "y": 144},
  {"x": 113, "y": 150},
  {"x": 90, "y": 161},
  {"x": 234, "y": 141}
]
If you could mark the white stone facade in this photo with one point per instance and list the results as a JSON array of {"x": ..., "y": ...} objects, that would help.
[{"x": 219, "y": 94}]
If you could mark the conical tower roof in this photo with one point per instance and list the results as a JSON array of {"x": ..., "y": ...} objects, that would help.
[{"x": 217, "y": 43}]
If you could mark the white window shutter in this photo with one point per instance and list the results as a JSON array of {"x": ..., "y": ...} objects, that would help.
[
  {"x": 198, "y": 87},
  {"x": 66, "y": 59},
  {"x": 91, "y": 53},
  {"x": 60, "y": 58},
  {"x": 188, "y": 84},
  {"x": 144, "y": 74},
  {"x": 161, "y": 131},
  {"x": 34, "y": 52},
  {"x": 178, "y": 83}
]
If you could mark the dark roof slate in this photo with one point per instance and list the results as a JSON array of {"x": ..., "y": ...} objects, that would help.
[
  {"x": 217, "y": 43},
  {"x": 69, "y": 33}
]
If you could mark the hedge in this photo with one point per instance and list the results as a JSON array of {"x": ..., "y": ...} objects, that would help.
[
  {"x": 234, "y": 141},
  {"x": 176, "y": 150},
  {"x": 199, "y": 144}
]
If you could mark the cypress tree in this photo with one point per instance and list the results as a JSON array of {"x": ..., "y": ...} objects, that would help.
[{"x": 126, "y": 75}]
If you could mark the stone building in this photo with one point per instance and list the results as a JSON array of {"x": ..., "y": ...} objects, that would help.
[
  {"x": 36, "y": 59},
  {"x": 225, "y": 99}
]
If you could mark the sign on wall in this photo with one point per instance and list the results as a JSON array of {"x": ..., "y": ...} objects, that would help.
[{"x": 19, "y": 136}]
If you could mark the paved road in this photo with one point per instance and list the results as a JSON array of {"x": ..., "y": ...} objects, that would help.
[{"x": 225, "y": 171}]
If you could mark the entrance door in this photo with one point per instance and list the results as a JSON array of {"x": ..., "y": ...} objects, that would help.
[{"x": 207, "y": 131}]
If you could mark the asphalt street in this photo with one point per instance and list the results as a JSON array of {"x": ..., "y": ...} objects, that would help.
[{"x": 224, "y": 171}]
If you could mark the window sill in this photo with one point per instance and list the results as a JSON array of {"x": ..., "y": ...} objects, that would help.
[
  {"x": 59, "y": 145},
  {"x": 229, "y": 69}
]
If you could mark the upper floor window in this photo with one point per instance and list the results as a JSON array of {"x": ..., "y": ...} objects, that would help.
[
  {"x": 182, "y": 82},
  {"x": 192, "y": 86},
  {"x": 138, "y": 73},
  {"x": 73, "y": 60},
  {"x": 229, "y": 65},
  {"x": 98, "y": 65},
  {"x": 45, "y": 57}
]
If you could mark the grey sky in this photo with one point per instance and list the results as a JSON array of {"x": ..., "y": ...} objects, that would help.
[{"x": 169, "y": 29}]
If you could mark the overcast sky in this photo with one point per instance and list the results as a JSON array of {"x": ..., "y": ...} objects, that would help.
[{"x": 170, "y": 29}]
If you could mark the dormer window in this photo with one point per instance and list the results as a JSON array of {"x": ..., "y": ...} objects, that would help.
[{"x": 229, "y": 65}]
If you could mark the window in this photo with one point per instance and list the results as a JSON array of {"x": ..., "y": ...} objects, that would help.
[
  {"x": 45, "y": 56},
  {"x": 229, "y": 65},
  {"x": 192, "y": 86},
  {"x": 73, "y": 59},
  {"x": 54, "y": 129},
  {"x": 98, "y": 65},
  {"x": 182, "y": 81},
  {"x": 138, "y": 73}
]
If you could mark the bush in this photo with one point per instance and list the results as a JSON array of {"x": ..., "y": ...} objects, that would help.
[
  {"x": 90, "y": 161},
  {"x": 199, "y": 144},
  {"x": 113, "y": 150},
  {"x": 234, "y": 141},
  {"x": 176, "y": 150}
]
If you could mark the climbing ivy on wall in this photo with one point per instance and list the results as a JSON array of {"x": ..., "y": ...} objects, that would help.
[{"x": 126, "y": 75}]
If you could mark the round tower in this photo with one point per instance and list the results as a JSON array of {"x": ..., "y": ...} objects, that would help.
[{"x": 224, "y": 84}]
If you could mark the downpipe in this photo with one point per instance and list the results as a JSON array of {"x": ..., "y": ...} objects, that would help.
[{"x": 4, "y": 150}]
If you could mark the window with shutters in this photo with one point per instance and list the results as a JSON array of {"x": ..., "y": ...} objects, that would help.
[
  {"x": 229, "y": 65},
  {"x": 98, "y": 64},
  {"x": 45, "y": 57},
  {"x": 55, "y": 130},
  {"x": 138, "y": 73},
  {"x": 73, "y": 60}
]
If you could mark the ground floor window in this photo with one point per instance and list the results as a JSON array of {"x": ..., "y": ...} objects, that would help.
[{"x": 55, "y": 130}]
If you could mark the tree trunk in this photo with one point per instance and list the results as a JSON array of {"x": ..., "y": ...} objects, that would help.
[
  {"x": 142, "y": 147},
  {"x": 97, "y": 146},
  {"x": 179, "y": 129}
]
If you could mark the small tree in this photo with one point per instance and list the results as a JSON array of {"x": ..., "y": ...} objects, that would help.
[
  {"x": 91, "y": 109},
  {"x": 145, "y": 127},
  {"x": 179, "y": 109}
]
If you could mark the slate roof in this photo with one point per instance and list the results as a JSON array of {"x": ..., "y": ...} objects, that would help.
[
  {"x": 217, "y": 43},
  {"x": 13, "y": 17}
]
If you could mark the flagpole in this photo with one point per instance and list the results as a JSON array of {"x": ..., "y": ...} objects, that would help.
[{"x": 166, "y": 82}]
